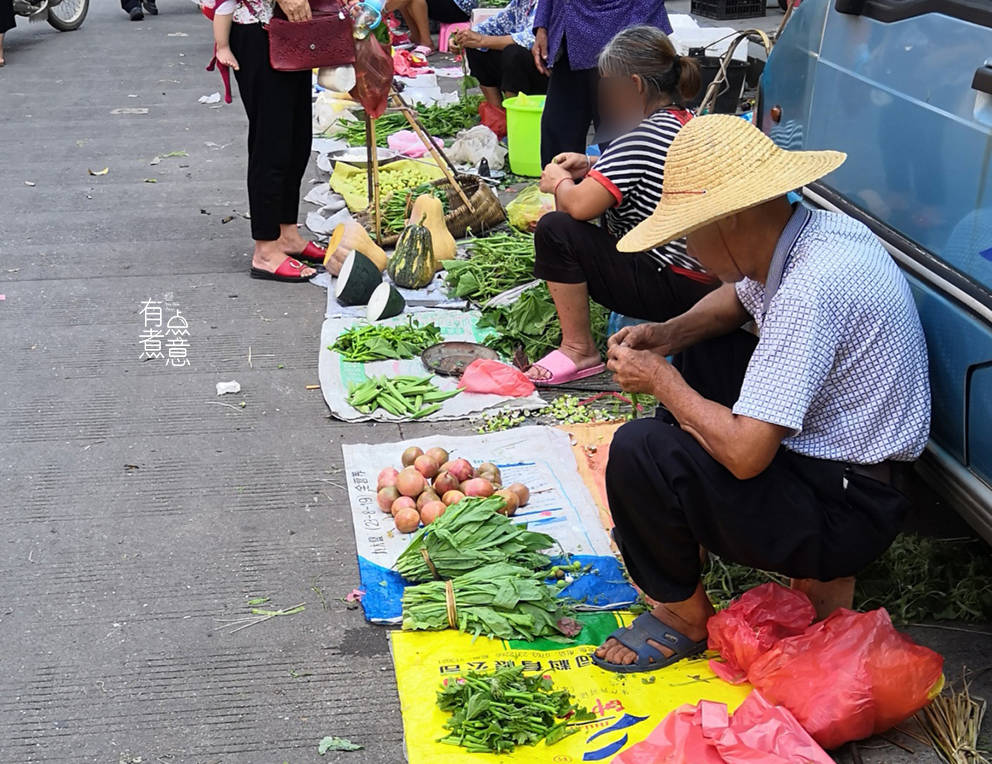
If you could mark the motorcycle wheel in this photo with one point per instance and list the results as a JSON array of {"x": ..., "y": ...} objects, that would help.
[{"x": 68, "y": 15}]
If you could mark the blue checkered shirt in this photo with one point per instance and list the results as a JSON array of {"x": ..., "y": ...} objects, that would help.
[{"x": 841, "y": 360}]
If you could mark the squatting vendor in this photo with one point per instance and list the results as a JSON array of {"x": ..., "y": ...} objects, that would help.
[{"x": 796, "y": 476}]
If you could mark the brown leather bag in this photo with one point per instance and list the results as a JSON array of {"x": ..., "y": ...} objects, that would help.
[{"x": 324, "y": 40}]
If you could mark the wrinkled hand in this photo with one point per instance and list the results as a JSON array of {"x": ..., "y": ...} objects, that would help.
[
  {"x": 576, "y": 164},
  {"x": 654, "y": 337},
  {"x": 467, "y": 38},
  {"x": 540, "y": 50},
  {"x": 226, "y": 57},
  {"x": 636, "y": 371},
  {"x": 296, "y": 10},
  {"x": 551, "y": 175}
]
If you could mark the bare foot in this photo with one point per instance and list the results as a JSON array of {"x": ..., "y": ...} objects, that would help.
[
  {"x": 269, "y": 255},
  {"x": 613, "y": 651},
  {"x": 583, "y": 357}
]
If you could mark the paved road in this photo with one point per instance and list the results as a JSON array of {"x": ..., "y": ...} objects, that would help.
[{"x": 134, "y": 509}]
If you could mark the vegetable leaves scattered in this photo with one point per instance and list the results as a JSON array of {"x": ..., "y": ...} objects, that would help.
[
  {"x": 496, "y": 263},
  {"x": 375, "y": 343},
  {"x": 497, "y": 711},
  {"x": 333, "y": 743},
  {"x": 440, "y": 121}
]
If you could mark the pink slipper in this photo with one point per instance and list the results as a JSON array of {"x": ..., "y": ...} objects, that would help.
[{"x": 563, "y": 370}]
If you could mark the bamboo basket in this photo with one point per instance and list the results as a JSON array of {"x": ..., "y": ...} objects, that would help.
[{"x": 488, "y": 212}]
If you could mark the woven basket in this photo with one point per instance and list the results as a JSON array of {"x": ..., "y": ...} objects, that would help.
[{"x": 488, "y": 214}]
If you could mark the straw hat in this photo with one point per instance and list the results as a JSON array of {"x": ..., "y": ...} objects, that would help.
[{"x": 718, "y": 165}]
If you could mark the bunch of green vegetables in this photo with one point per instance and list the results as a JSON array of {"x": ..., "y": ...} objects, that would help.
[
  {"x": 468, "y": 535},
  {"x": 531, "y": 325},
  {"x": 499, "y": 600},
  {"x": 495, "y": 712},
  {"x": 373, "y": 342},
  {"x": 496, "y": 263},
  {"x": 395, "y": 208},
  {"x": 405, "y": 396},
  {"x": 440, "y": 121}
]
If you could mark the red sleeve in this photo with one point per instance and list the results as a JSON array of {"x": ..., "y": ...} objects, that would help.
[{"x": 608, "y": 184}]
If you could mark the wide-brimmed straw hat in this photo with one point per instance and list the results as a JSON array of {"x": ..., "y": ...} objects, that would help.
[{"x": 718, "y": 165}]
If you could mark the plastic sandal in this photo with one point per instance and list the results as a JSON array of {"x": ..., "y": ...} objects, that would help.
[
  {"x": 649, "y": 658},
  {"x": 312, "y": 253},
  {"x": 288, "y": 270},
  {"x": 562, "y": 370}
]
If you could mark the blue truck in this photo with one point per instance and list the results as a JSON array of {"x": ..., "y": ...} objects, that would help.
[{"x": 905, "y": 88}]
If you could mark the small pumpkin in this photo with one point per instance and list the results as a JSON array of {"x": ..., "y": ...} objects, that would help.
[
  {"x": 352, "y": 237},
  {"x": 412, "y": 264},
  {"x": 430, "y": 209}
]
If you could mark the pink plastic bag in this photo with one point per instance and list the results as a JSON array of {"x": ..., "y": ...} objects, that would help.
[
  {"x": 486, "y": 376},
  {"x": 753, "y": 624},
  {"x": 408, "y": 143},
  {"x": 704, "y": 734},
  {"x": 848, "y": 677}
]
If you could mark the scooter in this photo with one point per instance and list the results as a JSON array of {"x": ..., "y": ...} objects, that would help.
[{"x": 64, "y": 15}]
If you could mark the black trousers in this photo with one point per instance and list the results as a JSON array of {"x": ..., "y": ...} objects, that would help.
[
  {"x": 512, "y": 70},
  {"x": 446, "y": 12},
  {"x": 569, "y": 251},
  {"x": 802, "y": 517},
  {"x": 569, "y": 108},
  {"x": 278, "y": 105},
  {"x": 7, "y": 21}
]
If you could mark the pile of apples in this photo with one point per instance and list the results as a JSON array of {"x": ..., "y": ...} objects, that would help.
[{"x": 430, "y": 482}]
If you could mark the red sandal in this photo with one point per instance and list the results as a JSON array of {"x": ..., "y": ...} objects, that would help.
[
  {"x": 313, "y": 253},
  {"x": 288, "y": 270}
]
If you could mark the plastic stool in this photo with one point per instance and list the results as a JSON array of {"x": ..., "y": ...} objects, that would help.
[{"x": 446, "y": 31}]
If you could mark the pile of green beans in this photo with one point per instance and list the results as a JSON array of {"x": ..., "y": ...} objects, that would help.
[{"x": 404, "y": 396}]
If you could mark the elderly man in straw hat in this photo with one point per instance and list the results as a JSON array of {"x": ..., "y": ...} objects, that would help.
[{"x": 795, "y": 475}]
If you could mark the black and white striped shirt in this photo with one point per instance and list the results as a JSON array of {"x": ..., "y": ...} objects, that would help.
[{"x": 632, "y": 169}]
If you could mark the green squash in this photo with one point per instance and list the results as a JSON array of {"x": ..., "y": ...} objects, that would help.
[{"x": 412, "y": 264}]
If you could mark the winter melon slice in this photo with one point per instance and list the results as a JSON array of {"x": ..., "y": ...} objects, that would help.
[
  {"x": 385, "y": 302},
  {"x": 357, "y": 281}
]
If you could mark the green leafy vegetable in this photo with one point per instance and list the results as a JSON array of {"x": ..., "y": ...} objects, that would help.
[
  {"x": 439, "y": 121},
  {"x": 470, "y": 534},
  {"x": 496, "y": 263},
  {"x": 332, "y": 743},
  {"x": 498, "y": 600},
  {"x": 497, "y": 711},
  {"x": 375, "y": 343}
]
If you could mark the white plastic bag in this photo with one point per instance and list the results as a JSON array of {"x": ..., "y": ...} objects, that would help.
[{"x": 476, "y": 143}]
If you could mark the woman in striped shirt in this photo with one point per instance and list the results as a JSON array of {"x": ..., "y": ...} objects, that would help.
[{"x": 643, "y": 85}]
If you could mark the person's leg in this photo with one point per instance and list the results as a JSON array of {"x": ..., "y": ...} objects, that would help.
[
  {"x": 579, "y": 260},
  {"x": 486, "y": 66},
  {"x": 269, "y": 143},
  {"x": 801, "y": 517},
  {"x": 7, "y": 22},
  {"x": 133, "y": 9},
  {"x": 519, "y": 74},
  {"x": 297, "y": 89},
  {"x": 415, "y": 15},
  {"x": 446, "y": 12},
  {"x": 567, "y": 111}
]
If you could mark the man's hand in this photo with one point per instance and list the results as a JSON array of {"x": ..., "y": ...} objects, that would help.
[
  {"x": 468, "y": 38},
  {"x": 551, "y": 176},
  {"x": 658, "y": 338},
  {"x": 636, "y": 371},
  {"x": 296, "y": 10},
  {"x": 577, "y": 165},
  {"x": 540, "y": 50}
]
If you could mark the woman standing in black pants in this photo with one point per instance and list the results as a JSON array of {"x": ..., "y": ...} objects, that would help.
[{"x": 278, "y": 105}]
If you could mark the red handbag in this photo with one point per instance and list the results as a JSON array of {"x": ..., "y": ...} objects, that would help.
[{"x": 325, "y": 40}]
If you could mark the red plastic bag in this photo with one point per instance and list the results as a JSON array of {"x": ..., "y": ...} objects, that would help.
[
  {"x": 704, "y": 734},
  {"x": 753, "y": 624},
  {"x": 373, "y": 76},
  {"x": 848, "y": 677},
  {"x": 494, "y": 118},
  {"x": 486, "y": 376}
]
